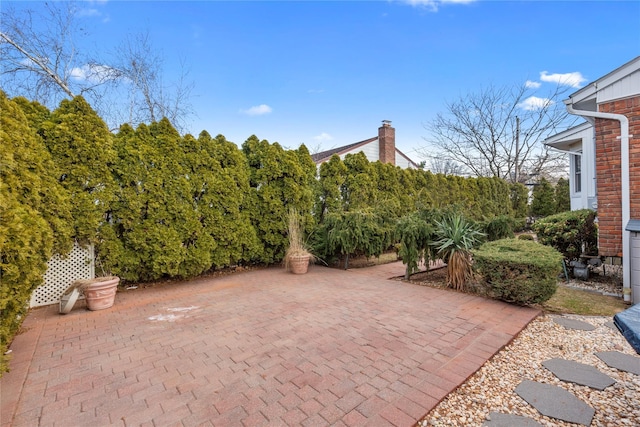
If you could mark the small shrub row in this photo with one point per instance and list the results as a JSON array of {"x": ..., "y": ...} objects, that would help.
[{"x": 518, "y": 271}]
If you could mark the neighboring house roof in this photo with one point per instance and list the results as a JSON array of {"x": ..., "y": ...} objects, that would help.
[
  {"x": 414, "y": 164},
  {"x": 326, "y": 155}
]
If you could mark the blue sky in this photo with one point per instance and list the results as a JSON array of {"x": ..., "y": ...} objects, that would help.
[{"x": 326, "y": 73}]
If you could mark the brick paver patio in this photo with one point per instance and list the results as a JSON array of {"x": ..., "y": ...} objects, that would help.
[{"x": 262, "y": 347}]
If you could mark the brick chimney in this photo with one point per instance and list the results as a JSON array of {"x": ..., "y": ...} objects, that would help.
[{"x": 387, "y": 141}]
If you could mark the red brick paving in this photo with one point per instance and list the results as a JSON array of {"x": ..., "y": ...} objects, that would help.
[{"x": 264, "y": 347}]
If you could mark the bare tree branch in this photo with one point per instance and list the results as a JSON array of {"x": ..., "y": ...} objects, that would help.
[
  {"x": 478, "y": 132},
  {"x": 39, "y": 60}
]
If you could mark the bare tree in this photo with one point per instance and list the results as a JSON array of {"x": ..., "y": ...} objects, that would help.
[
  {"x": 498, "y": 132},
  {"x": 147, "y": 96},
  {"x": 40, "y": 60},
  {"x": 39, "y": 64},
  {"x": 445, "y": 166}
]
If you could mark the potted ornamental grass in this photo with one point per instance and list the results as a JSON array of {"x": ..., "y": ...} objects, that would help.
[{"x": 298, "y": 255}]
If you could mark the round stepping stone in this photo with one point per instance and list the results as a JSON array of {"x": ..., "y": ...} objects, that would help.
[
  {"x": 574, "y": 324},
  {"x": 611, "y": 325},
  {"x": 555, "y": 402},
  {"x": 621, "y": 361},
  {"x": 579, "y": 373},
  {"x": 496, "y": 419}
]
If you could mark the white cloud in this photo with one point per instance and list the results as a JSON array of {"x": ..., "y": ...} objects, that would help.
[
  {"x": 532, "y": 85},
  {"x": 257, "y": 110},
  {"x": 323, "y": 137},
  {"x": 534, "y": 103},
  {"x": 574, "y": 79},
  {"x": 434, "y": 4},
  {"x": 94, "y": 73},
  {"x": 88, "y": 12}
]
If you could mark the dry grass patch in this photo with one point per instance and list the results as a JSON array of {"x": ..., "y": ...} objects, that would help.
[{"x": 575, "y": 301}]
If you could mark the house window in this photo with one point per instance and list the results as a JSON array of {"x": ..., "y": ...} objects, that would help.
[{"x": 577, "y": 173}]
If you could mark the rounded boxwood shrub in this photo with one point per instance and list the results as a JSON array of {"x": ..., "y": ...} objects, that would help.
[
  {"x": 518, "y": 271},
  {"x": 525, "y": 237}
]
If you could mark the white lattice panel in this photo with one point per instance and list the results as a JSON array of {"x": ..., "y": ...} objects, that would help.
[{"x": 61, "y": 272}]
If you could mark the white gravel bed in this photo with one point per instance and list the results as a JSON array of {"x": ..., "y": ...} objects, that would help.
[{"x": 491, "y": 389}]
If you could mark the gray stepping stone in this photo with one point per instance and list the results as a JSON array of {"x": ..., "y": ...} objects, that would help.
[
  {"x": 579, "y": 373},
  {"x": 496, "y": 419},
  {"x": 574, "y": 324},
  {"x": 621, "y": 361},
  {"x": 611, "y": 325},
  {"x": 555, "y": 402}
]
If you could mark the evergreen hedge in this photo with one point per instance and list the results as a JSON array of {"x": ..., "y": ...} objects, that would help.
[
  {"x": 34, "y": 217},
  {"x": 518, "y": 271},
  {"x": 158, "y": 204}
]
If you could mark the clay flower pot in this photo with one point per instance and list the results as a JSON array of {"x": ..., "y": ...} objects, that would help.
[
  {"x": 298, "y": 264},
  {"x": 100, "y": 293}
]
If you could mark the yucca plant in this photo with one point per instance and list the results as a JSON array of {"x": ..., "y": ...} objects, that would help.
[{"x": 455, "y": 237}]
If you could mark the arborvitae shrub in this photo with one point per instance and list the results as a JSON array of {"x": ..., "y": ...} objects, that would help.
[
  {"x": 81, "y": 146},
  {"x": 563, "y": 196},
  {"x": 34, "y": 217},
  {"x": 544, "y": 199},
  {"x": 568, "y": 232},
  {"x": 525, "y": 237},
  {"x": 518, "y": 271},
  {"x": 499, "y": 227}
]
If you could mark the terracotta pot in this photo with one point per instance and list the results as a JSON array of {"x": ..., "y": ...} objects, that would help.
[
  {"x": 299, "y": 264},
  {"x": 101, "y": 292}
]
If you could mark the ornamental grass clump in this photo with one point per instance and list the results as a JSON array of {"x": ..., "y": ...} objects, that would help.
[
  {"x": 519, "y": 271},
  {"x": 455, "y": 237},
  {"x": 297, "y": 245}
]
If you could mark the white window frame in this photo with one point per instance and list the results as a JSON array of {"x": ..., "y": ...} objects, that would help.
[{"x": 577, "y": 172}]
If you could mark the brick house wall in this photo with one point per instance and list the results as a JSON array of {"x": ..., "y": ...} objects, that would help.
[
  {"x": 387, "y": 144},
  {"x": 608, "y": 172}
]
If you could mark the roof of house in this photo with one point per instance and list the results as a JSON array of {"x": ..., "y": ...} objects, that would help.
[
  {"x": 586, "y": 98},
  {"x": 326, "y": 155},
  {"x": 565, "y": 139}
]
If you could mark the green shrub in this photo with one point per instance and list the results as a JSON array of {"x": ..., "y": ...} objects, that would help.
[
  {"x": 415, "y": 236},
  {"x": 568, "y": 232},
  {"x": 525, "y": 237},
  {"x": 500, "y": 227},
  {"x": 544, "y": 199},
  {"x": 360, "y": 232},
  {"x": 563, "y": 196},
  {"x": 34, "y": 211},
  {"x": 518, "y": 271}
]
